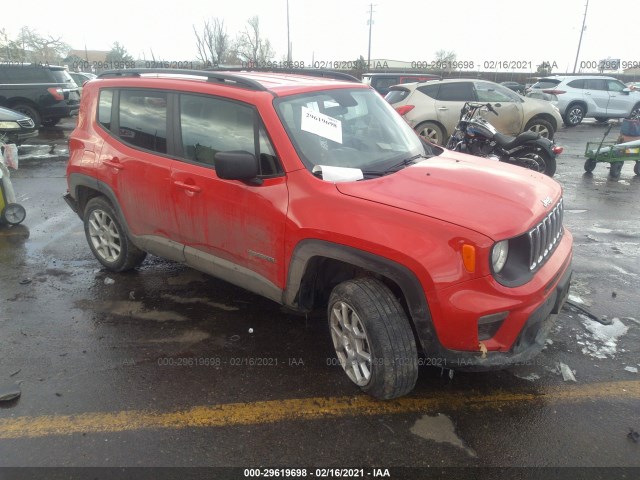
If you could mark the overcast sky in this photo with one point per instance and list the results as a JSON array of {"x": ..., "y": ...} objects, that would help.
[{"x": 327, "y": 30}]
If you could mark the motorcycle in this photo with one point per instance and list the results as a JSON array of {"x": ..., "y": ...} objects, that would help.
[{"x": 476, "y": 136}]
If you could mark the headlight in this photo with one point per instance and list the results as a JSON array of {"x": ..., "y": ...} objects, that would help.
[
  {"x": 499, "y": 255},
  {"x": 9, "y": 126}
]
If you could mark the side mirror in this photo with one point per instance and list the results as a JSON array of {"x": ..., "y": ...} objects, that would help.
[
  {"x": 626, "y": 91},
  {"x": 238, "y": 165}
]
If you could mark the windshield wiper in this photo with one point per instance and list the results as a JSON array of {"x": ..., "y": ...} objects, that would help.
[{"x": 404, "y": 163}]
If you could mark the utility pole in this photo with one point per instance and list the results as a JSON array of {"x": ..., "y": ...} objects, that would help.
[
  {"x": 584, "y": 20},
  {"x": 370, "y": 25},
  {"x": 288, "y": 41}
]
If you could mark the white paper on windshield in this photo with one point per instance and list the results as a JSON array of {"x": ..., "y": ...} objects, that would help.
[
  {"x": 322, "y": 125},
  {"x": 338, "y": 174}
]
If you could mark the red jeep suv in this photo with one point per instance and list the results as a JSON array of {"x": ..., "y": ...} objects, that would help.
[{"x": 314, "y": 193}]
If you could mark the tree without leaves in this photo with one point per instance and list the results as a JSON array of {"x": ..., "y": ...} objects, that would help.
[
  {"x": 213, "y": 44},
  {"x": 29, "y": 46},
  {"x": 251, "y": 47},
  {"x": 118, "y": 54},
  {"x": 445, "y": 59}
]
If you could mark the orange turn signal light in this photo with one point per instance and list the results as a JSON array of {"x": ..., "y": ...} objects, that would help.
[{"x": 469, "y": 257}]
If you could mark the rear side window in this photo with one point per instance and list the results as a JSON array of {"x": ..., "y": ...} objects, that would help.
[
  {"x": 396, "y": 95},
  {"x": 143, "y": 119},
  {"x": 576, "y": 83},
  {"x": 104, "y": 108},
  {"x": 595, "y": 84},
  {"x": 60, "y": 76},
  {"x": 210, "y": 125},
  {"x": 386, "y": 82},
  {"x": 430, "y": 90},
  {"x": 25, "y": 74},
  {"x": 456, "y": 92}
]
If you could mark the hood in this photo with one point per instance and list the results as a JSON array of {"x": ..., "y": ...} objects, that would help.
[
  {"x": 495, "y": 199},
  {"x": 7, "y": 115}
]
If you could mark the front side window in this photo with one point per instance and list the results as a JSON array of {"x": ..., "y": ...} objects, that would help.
[
  {"x": 490, "y": 92},
  {"x": 352, "y": 128},
  {"x": 210, "y": 125},
  {"x": 143, "y": 119},
  {"x": 615, "y": 86}
]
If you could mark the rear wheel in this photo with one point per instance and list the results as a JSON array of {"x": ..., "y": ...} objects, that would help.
[
  {"x": 616, "y": 168},
  {"x": 635, "y": 113},
  {"x": 541, "y": 127},
  {"x": 372, "y": 338},
  {"x": 590, "y": 165},
  {"x": 29, "y": 111},
  {"x": 431, "y": 132},
  {"x": 108, "y": 239},
  {"x": 574, "y": 115},
  {"x": 537, "y": 160},
  {"x": 636, "y": 168}
]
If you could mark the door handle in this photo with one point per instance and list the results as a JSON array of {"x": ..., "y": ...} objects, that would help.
[
  {"x": 188, "y": 186},
  {"x": 443, "y": 108},
  {"x": 587, "y": 93},
  {"x": 497, "y": 105},
  {"x": 114, "y": 163}
]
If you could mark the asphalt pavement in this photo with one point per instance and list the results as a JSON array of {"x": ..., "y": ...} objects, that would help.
[{"x": 167, "y": 367}]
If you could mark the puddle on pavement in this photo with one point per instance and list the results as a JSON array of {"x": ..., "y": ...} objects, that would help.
[
  {"x": 193, "y": 336},
  {"x": 191, "y": 300},
  {"x": 186, "y": 277},
  {"x": 129, "y": 308},
  {"x": 440, "y": 429}
]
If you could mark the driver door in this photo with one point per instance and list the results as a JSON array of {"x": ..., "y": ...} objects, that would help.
[{"x": 508, "y": 105}]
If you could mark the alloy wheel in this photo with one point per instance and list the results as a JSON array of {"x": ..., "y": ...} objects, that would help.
[
  {"x": 351, "y": 343},
  {"x": 104, "y": 235}
]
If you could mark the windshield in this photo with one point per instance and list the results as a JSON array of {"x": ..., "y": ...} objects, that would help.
[{"x": 354, "y": 128}]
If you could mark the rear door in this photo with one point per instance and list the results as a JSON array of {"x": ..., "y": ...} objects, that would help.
[
  {"x": 227, "y": 222},
  {"x": 507, "y": 103},
  {"x": 134, "y": 161},
  {"x": 449, "y": 102}
]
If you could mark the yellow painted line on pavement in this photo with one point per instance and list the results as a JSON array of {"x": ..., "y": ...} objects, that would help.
[{"x": 254, "y": 413}]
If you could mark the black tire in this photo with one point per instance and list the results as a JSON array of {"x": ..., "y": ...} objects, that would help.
[
  {"x": 541, "y": 127},
  {"x": 378, "y": 327},
  {"x": 615, "y": 169},
  {"x": 546, "y": 162},
  {"x": 107, "y": 237},
  {"x": 590, "y": 165},
  {"x": 29, "y": 111},
  {"x": 635, "y": 113},
  {"x": 51, "y": 122},
  {"x": 602, "y": 119},
  {"x": 431, "y": 131},
  {"x": 13, "y": 214},
  {"x": 574, "y": 115},
  {"x": 636, "y": 168}
]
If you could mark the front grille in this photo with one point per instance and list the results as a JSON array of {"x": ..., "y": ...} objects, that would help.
[
  {"x": 544, "y": 238},
  {"x": 26, "y": 123}
]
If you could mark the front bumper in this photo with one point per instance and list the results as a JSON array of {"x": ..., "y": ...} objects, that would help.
[{"x": 531, "y": 311}]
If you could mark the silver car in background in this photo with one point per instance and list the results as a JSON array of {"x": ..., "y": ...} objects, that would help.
[{"x": 580, "y": 97}]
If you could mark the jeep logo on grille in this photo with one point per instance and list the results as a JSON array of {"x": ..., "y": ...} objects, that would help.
[{"x": 546, "y": 202}]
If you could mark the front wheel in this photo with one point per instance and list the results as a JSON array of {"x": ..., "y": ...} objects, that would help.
[
  {"x": 635, "y": 113},
  {"x": 108, "y": 239},
  {"x": 590, "y": 165},
  {"x": 372, "y": 338},
  {"x": 636, "y": 168}
]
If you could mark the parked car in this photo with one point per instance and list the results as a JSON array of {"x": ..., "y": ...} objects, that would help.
[
  {"x": 432, "y": 108},
  {"x": 316, "y": 194},
  {"x": 515, "y": 86},
  {"x": 80, "y": 78},
  {"x": 16, "y": 127},
  {"x": 580, "y": 97},
  {"x": 381, "y": 82},
  {"x": 44, "y": 93}
]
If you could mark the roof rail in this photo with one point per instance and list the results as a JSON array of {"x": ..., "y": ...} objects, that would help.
[
  {"x": 212, "y": 76},
  {"x": 312, "y": 72}
]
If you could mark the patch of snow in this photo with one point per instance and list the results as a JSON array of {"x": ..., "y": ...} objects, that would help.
[
  {"x": 601, "y": 341},
  {"x": 576, "y": 299},
  {"x": 631, "y": 369},
  {"x": 623, "y": 271},
  {"x": 601, "y": 230}
]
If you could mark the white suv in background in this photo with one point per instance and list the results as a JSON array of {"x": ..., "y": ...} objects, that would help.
[{"x": 579, "y": 97}]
